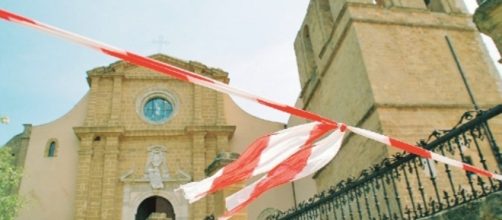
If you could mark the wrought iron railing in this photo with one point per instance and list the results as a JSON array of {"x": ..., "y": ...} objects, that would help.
[{"x": 409, "y": 187}]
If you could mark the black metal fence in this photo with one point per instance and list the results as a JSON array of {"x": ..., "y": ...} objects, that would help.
[{"x": 409, "y": 187}]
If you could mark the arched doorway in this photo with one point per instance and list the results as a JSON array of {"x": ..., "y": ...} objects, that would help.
[{"x": 154, "y": 204}]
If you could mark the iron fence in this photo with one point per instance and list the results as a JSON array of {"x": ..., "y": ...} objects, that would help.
[{"x": 409, "y": 187}]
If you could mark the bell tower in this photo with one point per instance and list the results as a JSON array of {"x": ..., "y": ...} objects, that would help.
[{"x": 385, "y": 65}]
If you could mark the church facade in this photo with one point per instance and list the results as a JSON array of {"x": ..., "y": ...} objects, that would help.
[
  {"x": 382, "y": 65},
  {"x": 134, "y": 138}
]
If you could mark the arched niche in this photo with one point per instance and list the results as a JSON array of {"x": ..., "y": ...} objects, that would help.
[
  {"x": 137, "y": 192},
  {"x": 155, "y": 205}
]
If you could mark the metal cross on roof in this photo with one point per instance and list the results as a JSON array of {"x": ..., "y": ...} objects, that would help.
[{"x": 161, "y": 42}]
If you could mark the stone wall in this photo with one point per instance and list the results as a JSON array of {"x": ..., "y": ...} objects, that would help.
[
  {"x": 19, "y": 145},
  {"x": 487, "y": 208},
  {"x": 488, "y": 18},
  {"x": 48, "y": 183},
  {"x": 386, "y": 67}
]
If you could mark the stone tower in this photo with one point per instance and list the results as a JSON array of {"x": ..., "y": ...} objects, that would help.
[
  {"x": 488, "y": 18},
  {"x": 386, "y": 66}
]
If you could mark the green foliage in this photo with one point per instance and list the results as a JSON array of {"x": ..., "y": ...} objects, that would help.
[{"x": 9, "y": 179}]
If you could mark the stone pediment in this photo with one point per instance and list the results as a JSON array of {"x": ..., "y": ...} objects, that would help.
[{"x": 122, "y": 68}]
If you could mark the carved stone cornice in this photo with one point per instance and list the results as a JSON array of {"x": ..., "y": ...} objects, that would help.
[
  {"x": 154, "y": 133},
  {"x": 110, "y": 131},
  {"x": 221, "y": 160},
  {"x": 215, "y": 130}
]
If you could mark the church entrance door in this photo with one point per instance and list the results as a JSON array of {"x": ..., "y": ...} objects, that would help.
[{"x": 157, "y": 205}]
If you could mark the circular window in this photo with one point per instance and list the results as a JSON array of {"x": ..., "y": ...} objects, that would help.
[{"x": 157, "y": 109}]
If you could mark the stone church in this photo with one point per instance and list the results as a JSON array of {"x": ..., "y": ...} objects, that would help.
[
  {"x": 129, "y": 142},
  {"x": 382, "y": 65}
]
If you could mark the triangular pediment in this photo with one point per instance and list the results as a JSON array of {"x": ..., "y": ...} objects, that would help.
[{"x": 130, "y": 70}]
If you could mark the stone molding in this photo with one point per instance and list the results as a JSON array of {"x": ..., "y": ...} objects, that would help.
[
  {"x": 213, "y": 130},
  {"x": 120, "y": 68},
  {"x": 115, "y": 130}
]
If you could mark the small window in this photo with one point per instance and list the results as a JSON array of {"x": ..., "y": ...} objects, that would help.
[
  {"x": 97, "y": 138},
  {"x": 51, "y": 148}
]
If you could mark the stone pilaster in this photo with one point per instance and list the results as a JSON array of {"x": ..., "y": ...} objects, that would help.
[
  {"x": 197, "y": 105},
  {"x": 198, "y": 92},
  {"x": 116, "y": 100},
  {"x": 222, "y": 143},
  {"x": 198, "y": 165},
  {"x": 93, "y": 100},
  {"x": 110, "y": 177},
  {"x": 220, "y": 108},
  {"x": 83, "y": 176},
  {"x": 96, "y": 181}
]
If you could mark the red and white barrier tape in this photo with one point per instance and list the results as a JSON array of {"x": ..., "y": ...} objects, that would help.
[
  {"x": 301, "y": 164},
  {"x": 188, "y": 76},
  {"x": 160, "y": 67},
  {"x": 422, "y": 152},
  {"x": 260, "y": 157}
]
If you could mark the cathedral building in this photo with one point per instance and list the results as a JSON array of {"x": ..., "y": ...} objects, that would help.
[
  {"x": 391, "y": 66},
  {"x": 129, "y": 142}
]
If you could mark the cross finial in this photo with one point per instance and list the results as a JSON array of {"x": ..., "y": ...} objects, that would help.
[{"x": 161, "y": 42}]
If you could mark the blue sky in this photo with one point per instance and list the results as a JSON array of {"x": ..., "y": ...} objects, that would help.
[{"x": 43, "y": 77}]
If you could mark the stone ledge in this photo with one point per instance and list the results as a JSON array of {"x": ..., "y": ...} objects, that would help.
[
  {"x": 213, "y": 130},
  {"x": 221, "y": 160},
  {"x": 116, "y": 130},
  {"x": 409, "y": 17}
]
